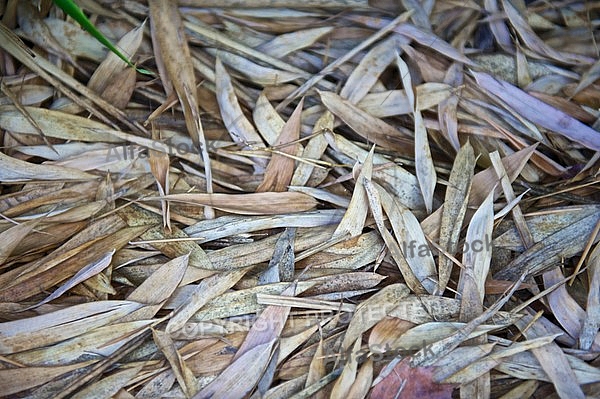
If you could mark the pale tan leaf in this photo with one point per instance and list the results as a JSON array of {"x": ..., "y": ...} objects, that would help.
[
  {"x": 20, "y": 379},
  {"x": 287, "y": 43},
  {"x": 280, "y": 169},
  {"x": 172, "y": 48},
  {"x": 184, "y": 375},
  {"x": 425, "y": 168},
  {"x": 366, "y": 73},
  {"x": 53, "y": 124},
  {"x": 589, "y": 77},
  {"x": 266, "y": 203},
  {"x": 539, "y": 112},
  {"x": 447, "y": 109},
  {"x": 38, "y": 331},
  {"x": 363, "y": 381},
  {"x": 426, "y": 308},
  {"x": 11, "y": 237},
  {"x": 552, "y": 360},
  {"x": 344, "y": 382},
  {"x": 354, "y": 219},
  {"x": 486, "y": 363},
  {"x": 317, "y": 369},
  {"x": 534, "y": 42},
  {"x": 476, "y": 260},
  {"x": 15, "y": 170},
  {"x": 236, "y": 123},
  {"x": 413, "y": 243},
  {"x": 87, "y": 272},
  {"x": 566, "y": 242},
  {"x": 229, "y": 384},
  {"x": 267, "y": 120},
  {"x": 371, "y": 311},
  {"x": 108, "y": 386},
  {"x": 256, "y": 73},
  {"x": 209, "y": 288},
  {"x": 591, "y": 323},
  {"x": 369, "y": 127},
  {"x": 455, "y": 206},
  {"x": 101, "y": 342},
  {"x": 112, "y": 65},
  {"x": 158, "y": 287},
  {"x": 395, "y": 102},
  {"x": 274, "y": 318}
]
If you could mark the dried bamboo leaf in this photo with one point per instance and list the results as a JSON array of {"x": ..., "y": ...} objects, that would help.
[
  {"x": 280, "y": 169},
  {"x": 426, "y": 308},
  {"x": 566, "y": 310},
  {"x": 424, "y": 163},
  {"x": 216, "y": 278},
  {"x": 344, "y": 382},
  {"x": 112, "y": 65},
  {"x": 87, "y": 272},
  {"x": 366, "y": 73},
  {"x": 209, "y": 288},
  {"x": 591, "y": 322},
  {"x": 170, "y": 44},
  {"x": 251, "y": 365},
  {"x": 414, "y": 245},
  {"x": 314, "y": 150},
  {"x": 396, "y": 180},
  {"x": 425, "y": 168},
  {"x": 13, "y": 236},
  {"x": 236, "y": 303},
  {"x": 476, "y": 261},
  {"x": 265, "y": 203},
  {"x": 317, "y": 370},
  {"x": 288, "y": 43},
  {"x": 455, "y": 206},
  {"x": 447, "y": 109},
  {"x": 236, "y": 123},
  {"x": 354, "y": 219},
  {"x": 526, "y": 366},
  {"x": 136, "y": 216},
  {"x": 363, "y": 381},
  {"x": 547, "y": 253},
  {"x": 483, "y": 182},
  {"x": 540, "y": 112},
  {"x": 371, "y": 311},
  {"x": 226, "y": 226},
  {"x": 534, "y": 42},
  {"x": 487, "y": 362},
  {"x": 157, "y": 288},
  {"x": 589, "y": 77},
  {"x": 101, "y": 341},
  {"x": 182, "y": 372},
  {"x": 428, "y": 39},
  {"x": 267, "y": 120},
  {"x": 15, "y": 170},
  {"x": 44, "y": 275},
  {"x": 53, "y": 124},
  {"x": 35, "y": 29},
  {"x": 395, "y": 102},
  {"x": 369, "y": 127},
  {"x": 38, "y": 331},
  {"x": 76, "y": 41},
  {"x": 256, "y": 73},
  {"x": 552, "y": 360},
  {"x": 23, "y": 378}
]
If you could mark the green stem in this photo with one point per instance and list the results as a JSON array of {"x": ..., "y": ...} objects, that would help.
[{"x": 77, "y": 14}]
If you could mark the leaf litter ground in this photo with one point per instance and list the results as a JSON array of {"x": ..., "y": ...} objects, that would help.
[{"x": 308, "y": 199}]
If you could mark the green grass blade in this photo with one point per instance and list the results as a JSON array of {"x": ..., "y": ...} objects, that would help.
[{"x": 77, "y": 14}]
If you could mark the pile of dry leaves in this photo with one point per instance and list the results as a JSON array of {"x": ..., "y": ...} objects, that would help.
[{"x": 305, "y": 199}]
